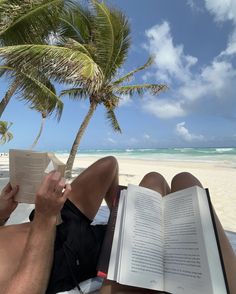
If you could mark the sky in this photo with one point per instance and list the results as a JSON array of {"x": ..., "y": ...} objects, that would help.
[{"x": 193, "y": 43}]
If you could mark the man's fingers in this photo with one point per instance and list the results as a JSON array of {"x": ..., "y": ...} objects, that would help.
[
  {"x": 48, "y": 183},
  {"x": 66, "y": 192},
  {"x": 60, "y": 186},
  {"x": 11, "y": 193},
  {"x": 7, "y": 188},
  {"x": 54, "y": 181}
]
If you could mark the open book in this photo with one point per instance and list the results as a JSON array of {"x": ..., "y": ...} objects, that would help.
[
  {"x": 27, "y": 169},
  {"x": 167, "y": 243}
]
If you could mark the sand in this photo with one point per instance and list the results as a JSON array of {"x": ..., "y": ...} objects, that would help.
[{"x": 220, "y": 178}]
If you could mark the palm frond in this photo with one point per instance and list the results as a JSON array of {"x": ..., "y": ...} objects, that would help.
[
  {"x": 6, "y": 136},
  {"x": 39, "y": 93},
  {"x": 2, "y": 71},
  {"x": 154, "y": 89},
  {"x": 24, "y": 21},
  {"x": 129, "y": 75},
  {"x": 59, "y": 63},
  {"x": 113, "y": 120},
  {"x": 7, "y": 71},
  {"x": 104, "y": 36},
  {"x": 74, "y": 45},
  {"x": 121, "y": 40},
  {"x": 76, "y": 24},
  {"x": 110, "y": 101},
  {"x": 75, "y": 93}
]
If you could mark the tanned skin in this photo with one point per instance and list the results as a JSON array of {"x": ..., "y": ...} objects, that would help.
[
  {"x": 34, "y": 264},
  {"x": 26, "y": 250}
]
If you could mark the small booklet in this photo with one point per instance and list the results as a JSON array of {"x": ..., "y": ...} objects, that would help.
[
  {"x": 166, "y": 243},
  {"x": 27, "y": 169}
]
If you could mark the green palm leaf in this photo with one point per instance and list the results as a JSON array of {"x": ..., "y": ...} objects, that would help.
[
  {"x": 62, "y": 64},
  {"x": 104, "y": 36},
  {"x": 129, "y": 75},
  {"x": 40, "y": 94},
  {"x": 75, "y": 93},
  {"x": 37, "y": 91},
  {"x": 154, "y": 89},
  {"x": 6, "y": 136},
  {"x": 121, "y": 40},
  {"x": 23, "y": 21},
  {"x": 72, "y": 44},
  {"x": 76, "y": 24},
  {"x": 113, "y": 120}
]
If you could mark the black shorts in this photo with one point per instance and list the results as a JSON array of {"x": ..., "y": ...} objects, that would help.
[{"x": 76, "y": 251}]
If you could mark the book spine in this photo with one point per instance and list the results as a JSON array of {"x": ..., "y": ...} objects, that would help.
[{"x": 217, "y": 239}]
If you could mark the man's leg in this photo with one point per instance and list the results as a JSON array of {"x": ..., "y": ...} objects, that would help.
[
  {"x": 154, "y": 181},
  {"x": 185, "y": 180},
  {"x": 96, "y": 182}
]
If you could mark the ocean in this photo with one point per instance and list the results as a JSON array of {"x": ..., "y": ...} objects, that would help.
[{"x": 224, "y": 155}]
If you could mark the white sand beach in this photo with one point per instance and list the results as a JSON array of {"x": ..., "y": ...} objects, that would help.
[{"x": 218, "y": 177}]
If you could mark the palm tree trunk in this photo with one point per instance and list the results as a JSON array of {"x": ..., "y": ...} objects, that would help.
[
  {"x": 10, "y": 92},
  {"x": 39, "y": 134},
  {"x": 73, "y": 151}
]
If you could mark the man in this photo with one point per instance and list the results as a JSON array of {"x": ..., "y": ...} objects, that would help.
[
  {"x": 41, "y": 257},
  {"x": 26, "y": 250}
]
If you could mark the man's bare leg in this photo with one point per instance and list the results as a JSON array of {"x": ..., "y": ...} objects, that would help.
[
  {"x": 185, "y": 180},
  {"x": 96, "y": 182},
  {"x": 156, "y": 182}
]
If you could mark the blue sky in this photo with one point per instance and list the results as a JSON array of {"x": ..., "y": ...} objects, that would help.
[{"x": 194, "y": 48}]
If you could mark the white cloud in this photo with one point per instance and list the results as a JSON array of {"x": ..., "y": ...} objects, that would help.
[
  {"x": 231, "y": 46},
  {"x": 190, "y": 87},
  {"x": 125, "y": 100},
  {"x": 216, "y": 79},
  {"x": 194, "y": 6},
  {"x": 170, "y": 60},
  {"x": 184, "y": 133},
  {"x": 224, "y": 10},
  {"x": 164, "y": 108}
]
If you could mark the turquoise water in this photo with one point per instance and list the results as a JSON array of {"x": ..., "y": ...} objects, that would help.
[{"x": 227, "y": 155}]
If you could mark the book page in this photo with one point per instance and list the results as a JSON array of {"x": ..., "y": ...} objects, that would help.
[
  {"x": 141, "y": 261},
  {"x": 57, "y": 164},
  {"x": 186, "y": 266},
  {"x": 27, "y": 170}
]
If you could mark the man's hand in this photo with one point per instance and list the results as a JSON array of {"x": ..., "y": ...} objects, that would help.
[
  {"x": 51, "y": 195},
  {"x": 7, "y": 202}
]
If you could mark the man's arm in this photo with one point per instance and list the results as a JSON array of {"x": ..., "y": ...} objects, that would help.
[
  {"x": 7, "y": 203},
  {"x": 33, "y": 272}
]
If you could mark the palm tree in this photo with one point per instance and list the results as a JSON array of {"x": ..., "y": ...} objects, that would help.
[
  {"x": 22, "y": 22},
  {"x": 6, "y": 136},
  {"x": 92, "y": 48},
  {"x": 104, "y": 35},
  {"x": 30, "y": 22}
]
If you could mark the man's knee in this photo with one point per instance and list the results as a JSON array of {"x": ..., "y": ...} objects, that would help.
[
  {"x": 109, "y": 162},
  {"x": 153, "y": 177},
  {"x": 155, "y": 181},
  {"x": 182, "y": 176},
  {"x": 184, "y": 180},
  {"x": 108, "y": 166}
]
